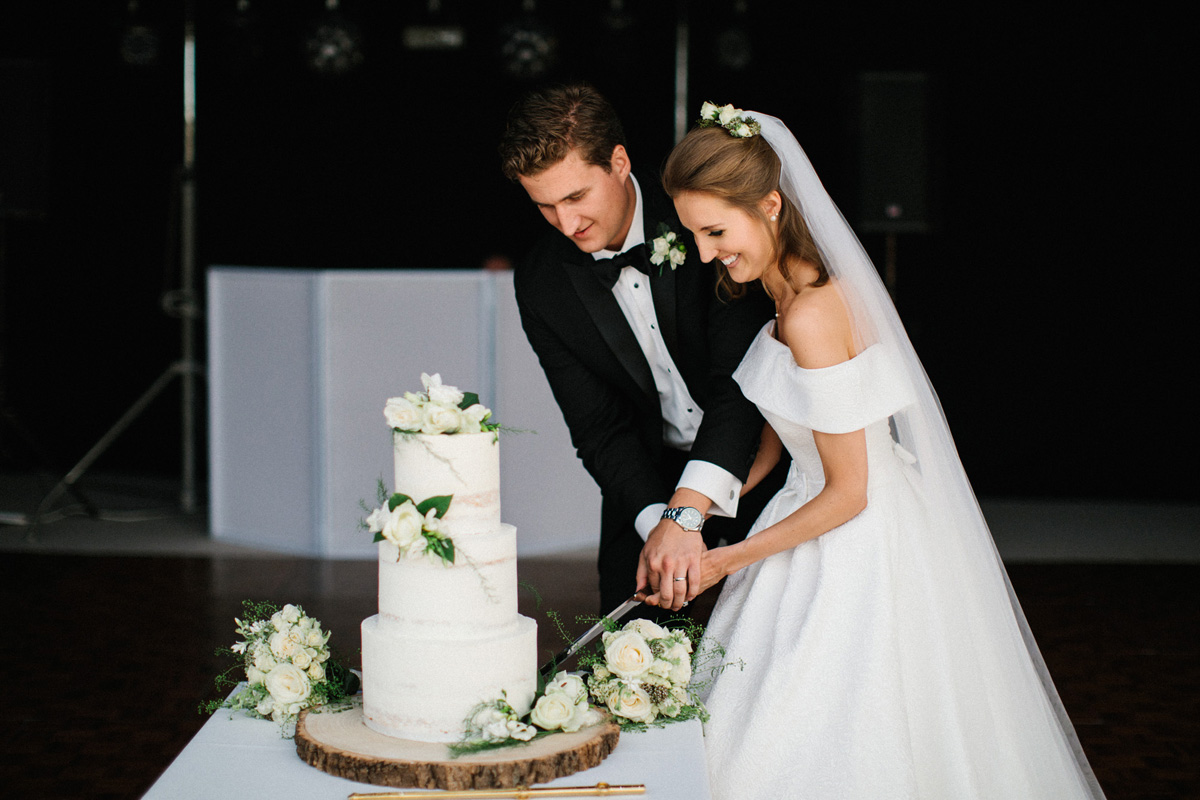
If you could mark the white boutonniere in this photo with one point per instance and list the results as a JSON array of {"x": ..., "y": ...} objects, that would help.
[
  {"x": 733, "y": 120},
  {"x": 667, "y": 248}
]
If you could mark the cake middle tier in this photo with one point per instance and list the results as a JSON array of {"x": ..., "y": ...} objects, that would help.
[
  {"x": 424, "y": 689},
  {"x": 477, "y": 593}
]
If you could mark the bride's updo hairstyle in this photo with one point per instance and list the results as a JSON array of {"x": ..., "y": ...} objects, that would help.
[{"x": 742, "y": 171}]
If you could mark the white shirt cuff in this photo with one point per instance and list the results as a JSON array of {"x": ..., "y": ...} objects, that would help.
[
  {"x": 714, "y": 483},
  {"x": 648, "y": 518}
]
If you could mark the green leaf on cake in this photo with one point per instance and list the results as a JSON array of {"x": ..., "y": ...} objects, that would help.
[
  {"x": 469, "y": 399},
  {"x": 441, "y": 503},
  {"x": 442, "y": 548},
  {"x": 398, "y": 499}
]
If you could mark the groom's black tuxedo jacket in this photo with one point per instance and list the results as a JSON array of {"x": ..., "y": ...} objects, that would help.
[{"x": 604, "y": 386}]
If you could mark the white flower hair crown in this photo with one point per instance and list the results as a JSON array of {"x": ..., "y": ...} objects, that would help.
[{"x": 731, "y": 119}]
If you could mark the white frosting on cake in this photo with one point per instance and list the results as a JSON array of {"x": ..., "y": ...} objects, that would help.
[
  {"x": 476, "y": 594},
  {"x": 423, "y": 689},
  {"x": 448, "y": 636},
  {"x": 466, "y": 465}
]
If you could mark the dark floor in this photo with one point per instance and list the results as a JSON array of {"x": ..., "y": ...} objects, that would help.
[{"x": 108, "y": 657}]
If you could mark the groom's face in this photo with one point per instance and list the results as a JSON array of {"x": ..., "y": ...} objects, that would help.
[{"x": 590, "y": 206}]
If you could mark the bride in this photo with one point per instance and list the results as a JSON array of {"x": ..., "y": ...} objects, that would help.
[{"x": 885, "y": 654}]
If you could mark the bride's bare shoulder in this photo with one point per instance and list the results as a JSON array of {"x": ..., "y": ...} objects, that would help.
[{"x": 816, "y": 328}]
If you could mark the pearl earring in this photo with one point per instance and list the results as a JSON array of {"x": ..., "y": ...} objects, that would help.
[{"x": 774, "y": 217}]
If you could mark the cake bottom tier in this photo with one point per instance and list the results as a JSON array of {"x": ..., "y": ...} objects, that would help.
[{"x": 423, "y": 689}]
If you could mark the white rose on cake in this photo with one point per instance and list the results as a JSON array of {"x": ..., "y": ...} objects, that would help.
[
  {"x": 440, "y": 393},
  {"x": 440, "y": 419},
  {"x": 402, "y": 413},
  {"x": 472, "y": 418},
  {"x": 378, "y": 518},
  {"x": 403, "y": 527}
]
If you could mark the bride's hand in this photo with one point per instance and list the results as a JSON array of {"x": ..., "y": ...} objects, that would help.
[{"x": 713, "y": 568}]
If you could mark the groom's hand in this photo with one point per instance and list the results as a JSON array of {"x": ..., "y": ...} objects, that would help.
[
  {"x": 671, "y": 552},
  {"x": 670, "y": 560}
]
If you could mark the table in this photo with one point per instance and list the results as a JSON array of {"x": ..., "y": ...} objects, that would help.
[{"x": 235, "y": 756}]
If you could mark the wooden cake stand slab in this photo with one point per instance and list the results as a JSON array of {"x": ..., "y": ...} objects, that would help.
[{"x": 338, "y": 742}]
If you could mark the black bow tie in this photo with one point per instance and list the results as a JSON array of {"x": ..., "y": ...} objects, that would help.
[{"x": 608, "y": 269}]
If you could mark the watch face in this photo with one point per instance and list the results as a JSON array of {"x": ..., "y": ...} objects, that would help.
[{"x": 690, "y": 518}]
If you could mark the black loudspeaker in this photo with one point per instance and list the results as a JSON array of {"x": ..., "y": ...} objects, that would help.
[
  {"x": 24, "y": 138},
  {"x": 895, "y": 170}
]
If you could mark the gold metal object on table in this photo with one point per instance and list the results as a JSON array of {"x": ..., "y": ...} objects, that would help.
[{"x": 518, "y": 793}]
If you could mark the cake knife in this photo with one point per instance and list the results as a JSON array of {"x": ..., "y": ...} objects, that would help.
[{"x": 594, "y": 631}]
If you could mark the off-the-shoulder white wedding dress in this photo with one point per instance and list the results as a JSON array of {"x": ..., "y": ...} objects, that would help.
[{"x": 862, "y": 679}]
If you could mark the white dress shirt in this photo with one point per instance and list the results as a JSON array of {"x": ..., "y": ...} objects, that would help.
[{"x": 681, "y": 415}]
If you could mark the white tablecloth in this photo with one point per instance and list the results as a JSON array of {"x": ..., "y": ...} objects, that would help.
[{"x": 235, "y": 756}]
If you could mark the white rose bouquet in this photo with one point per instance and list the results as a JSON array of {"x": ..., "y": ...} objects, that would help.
[
  {"x": 644, "y": 673},
  {"x": 439, "y": 409},
  {"x": 288, "y": 665}
]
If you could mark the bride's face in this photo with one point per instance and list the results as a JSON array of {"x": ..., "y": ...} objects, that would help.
[{"x": 723, "y": 231}]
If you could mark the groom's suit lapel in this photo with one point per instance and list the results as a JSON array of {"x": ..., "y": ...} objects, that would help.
[
  {"x": 660, "y": 210},
  {"x": 607, "y": 316},
  {"x": 604, "y": 309}
]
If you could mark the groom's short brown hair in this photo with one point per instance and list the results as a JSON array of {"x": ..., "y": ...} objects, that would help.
[{"x": 545, "y": 125}]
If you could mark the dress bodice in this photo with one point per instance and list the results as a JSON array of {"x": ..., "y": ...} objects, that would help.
[{"x": 860, "y": 393}]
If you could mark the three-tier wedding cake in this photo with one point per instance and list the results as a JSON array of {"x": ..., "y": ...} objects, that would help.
[{"x": 447, "y": 636}]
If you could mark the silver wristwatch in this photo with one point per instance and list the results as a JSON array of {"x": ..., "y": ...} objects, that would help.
[{"x": 686, "y": 517}]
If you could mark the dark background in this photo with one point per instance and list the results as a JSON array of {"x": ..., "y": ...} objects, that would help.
[{"x": 1048, "y": 301}]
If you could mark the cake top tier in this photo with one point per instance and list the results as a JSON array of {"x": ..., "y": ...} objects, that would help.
[{"x": 440, "y": 409}]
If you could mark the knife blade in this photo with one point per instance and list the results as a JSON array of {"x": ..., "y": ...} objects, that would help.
[{"x": 592, "y": 632}]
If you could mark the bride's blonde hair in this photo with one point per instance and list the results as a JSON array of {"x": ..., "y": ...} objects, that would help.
[{"x": 742, "y": 171}]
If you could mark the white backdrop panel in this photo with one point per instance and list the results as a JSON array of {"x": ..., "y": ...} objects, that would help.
[
  {"x": 301, "y": 363},
  {"x": 544, "y": 488},
  {"x": 261, "y": 408},
  {"x": 382, "y": 331}
]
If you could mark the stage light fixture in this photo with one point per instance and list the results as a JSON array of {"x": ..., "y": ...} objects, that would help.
[
  {"x": 333, "y": 45},
  {"x": 241, "y": 35},
  {"x": 735, "y": 50},
  {"x": 618, "y": 19},
  {"x": 434, "y": 33},
  {"x": 529, "y": 47},
  {"x": 140, "y": 41}
]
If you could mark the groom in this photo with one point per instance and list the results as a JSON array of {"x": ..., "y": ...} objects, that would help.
[{"x": 638, "y": 356}]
